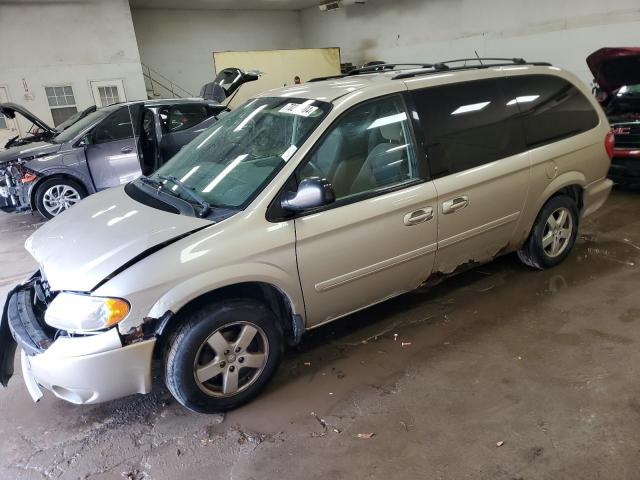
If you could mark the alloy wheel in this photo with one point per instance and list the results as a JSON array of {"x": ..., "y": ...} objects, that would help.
[
  {"x": 58, "y": 198},
  {"x": 557, "y": 232},
  {"x": 231, "y": 359}
]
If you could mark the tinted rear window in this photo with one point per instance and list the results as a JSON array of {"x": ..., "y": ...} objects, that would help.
[
  {"x": 552, "y": 108},
  {"x": 468, "y": 124}
]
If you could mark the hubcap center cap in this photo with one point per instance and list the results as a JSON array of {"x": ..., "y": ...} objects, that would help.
[{"x": 231, "y": 358}]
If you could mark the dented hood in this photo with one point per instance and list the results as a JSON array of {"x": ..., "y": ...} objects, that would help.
[
  {"x": 614, "y": 67},
  {"x": 84, "y": 245}
]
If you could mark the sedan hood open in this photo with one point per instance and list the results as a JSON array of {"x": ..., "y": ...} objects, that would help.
[
  {"x": 11, "y": 109},
  {"x": 86, "y": 244},
  {"x": 614, "y": 67}
]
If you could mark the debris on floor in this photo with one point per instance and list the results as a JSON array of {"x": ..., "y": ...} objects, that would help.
[
  {"x": 327, "y": 426},
  {"x": 500, "y": 443},
  {"x": 367, "y": 435}
]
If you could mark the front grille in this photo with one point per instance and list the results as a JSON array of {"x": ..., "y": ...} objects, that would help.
[{"x": 627, "y": 135}]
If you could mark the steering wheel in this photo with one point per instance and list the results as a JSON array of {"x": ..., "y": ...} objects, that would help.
[{"x": 104, "y": 135}]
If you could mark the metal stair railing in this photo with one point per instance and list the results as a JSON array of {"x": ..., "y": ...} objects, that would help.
[{"x": 156, "y": 79}]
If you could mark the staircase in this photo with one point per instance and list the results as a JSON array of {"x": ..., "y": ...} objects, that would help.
[{"x": 159, "y": 86}]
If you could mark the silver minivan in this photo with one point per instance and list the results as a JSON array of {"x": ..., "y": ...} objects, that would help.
[{"x": 302, "y": 206}]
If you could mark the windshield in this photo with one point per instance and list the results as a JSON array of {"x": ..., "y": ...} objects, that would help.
[
  {"x": 74, "y": 130},
  {"x": 628, "y": 91},
  {"x": 229, "y": 163},
  {"x": 625, "y": 103}
]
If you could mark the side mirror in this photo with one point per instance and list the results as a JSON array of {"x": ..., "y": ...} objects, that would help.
[
  {"x": 312, "y": 192},
  {"x": 84, "y": 141}
]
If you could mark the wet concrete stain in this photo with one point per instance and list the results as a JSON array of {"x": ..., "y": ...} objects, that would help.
[
  {"x": 545, "y": 362},
  {"x": 630, "y": 315}
]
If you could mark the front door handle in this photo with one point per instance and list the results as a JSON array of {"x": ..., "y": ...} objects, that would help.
[
  {"x": 418, "y": 216},
  {"x": 126, "y": 149},
  {"x": 455, "y": 204}
]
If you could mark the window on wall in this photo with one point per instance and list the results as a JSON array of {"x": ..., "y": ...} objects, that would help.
[
  {"x": 108, "y": 95},
  {"x": 62, "y": 103}
]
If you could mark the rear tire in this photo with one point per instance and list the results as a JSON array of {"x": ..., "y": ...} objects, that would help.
[
  {"x": 553, "y": 234},
  {"x": 55, "y": 195},
  {"x": 223, "y": 355}
]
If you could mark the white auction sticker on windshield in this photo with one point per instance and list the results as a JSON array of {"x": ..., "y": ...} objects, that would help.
[
  {"x": 302, "y": 109},
  {"x": 289, "y": 153}
]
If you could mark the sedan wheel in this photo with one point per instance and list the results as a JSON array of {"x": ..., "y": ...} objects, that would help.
[{"x": 58, "y": 198}]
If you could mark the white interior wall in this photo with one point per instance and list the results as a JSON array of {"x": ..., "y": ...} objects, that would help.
[
  {"x": 180, "y": 43},
  {"x": 67, "y": 43},
  {"x": 562, "y": 32}
]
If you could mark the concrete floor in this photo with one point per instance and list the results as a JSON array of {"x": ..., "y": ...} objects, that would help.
[{"x": 546, "y": 362}]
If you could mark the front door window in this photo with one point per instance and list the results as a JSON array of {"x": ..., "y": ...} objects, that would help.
[{"x": 367, "y": 150}]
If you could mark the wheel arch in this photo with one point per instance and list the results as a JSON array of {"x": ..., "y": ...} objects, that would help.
[
  {"x": 57, "y": 174},
  {"x": 266, "y": 293},
  {"x": 571, "y": 184}
]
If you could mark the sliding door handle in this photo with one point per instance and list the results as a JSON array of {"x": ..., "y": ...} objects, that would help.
[
  {"x": 418, "y": 216},
  {"x": 455, "y": 204}
]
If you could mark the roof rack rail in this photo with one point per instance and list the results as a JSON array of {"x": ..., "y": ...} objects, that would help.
[
  {"x": 377, "y": 67},
  {"x": 516, "y": 61},
  {"x": 381, "y": 67},
  {"x": 444, "y": 66},
  {"x": 429, "y": 68}
]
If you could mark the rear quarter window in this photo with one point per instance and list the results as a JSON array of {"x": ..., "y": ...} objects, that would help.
[
  {"x": 467, "y": 124},
  {"x": 183, "y": 116},
  {"x": 551, "y": 108}
]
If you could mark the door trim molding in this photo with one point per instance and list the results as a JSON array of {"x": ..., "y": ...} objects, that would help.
[
  {"x": 447, "y": 242},
  {"x": 376, "y": 267}
]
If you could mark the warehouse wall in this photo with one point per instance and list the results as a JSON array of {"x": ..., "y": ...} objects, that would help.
[
  {"x": 562, "y": 32},
  {"x": 180, "y": 43},
  {"x": 70, "y": 43}
]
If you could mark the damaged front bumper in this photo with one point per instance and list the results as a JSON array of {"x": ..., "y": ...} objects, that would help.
[
  {"x": 80, "y": 369},
  {"x": 14, "y": 191}
]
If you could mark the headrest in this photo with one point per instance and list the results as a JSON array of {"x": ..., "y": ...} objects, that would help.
[{"x": 392, "y": 132}]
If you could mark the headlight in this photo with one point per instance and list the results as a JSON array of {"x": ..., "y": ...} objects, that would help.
[{"x": 77, "y": 312}]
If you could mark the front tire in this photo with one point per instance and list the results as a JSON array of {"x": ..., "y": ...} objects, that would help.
[
  {"x": 55, "y": 195},
  {"x": 223, "y": 355},
  {"x": 553, "y": 234}
]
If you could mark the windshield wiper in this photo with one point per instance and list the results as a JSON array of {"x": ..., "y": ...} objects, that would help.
[
  {"x": 206, "y": 208},
  {"x": 152, "y": 182}
]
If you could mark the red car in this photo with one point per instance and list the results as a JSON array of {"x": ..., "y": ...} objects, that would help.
[{"x": 617, "y": 72}]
